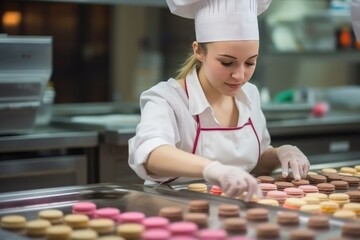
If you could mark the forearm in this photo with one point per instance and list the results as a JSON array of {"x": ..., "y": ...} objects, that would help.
[
  {"x": 167, "y": 161},
  {"x": 268, "y": 162}
]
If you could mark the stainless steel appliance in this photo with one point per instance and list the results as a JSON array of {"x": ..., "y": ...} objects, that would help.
[{"x": 25, "y": 69}]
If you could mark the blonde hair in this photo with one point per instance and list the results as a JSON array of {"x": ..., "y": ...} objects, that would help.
[{"x": 190, "y": 62}]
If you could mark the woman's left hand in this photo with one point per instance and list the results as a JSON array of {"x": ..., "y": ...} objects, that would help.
[{"x": 289, "y": 155}]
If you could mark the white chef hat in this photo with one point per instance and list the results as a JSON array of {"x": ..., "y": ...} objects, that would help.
[{"x": 221, "y": 20}]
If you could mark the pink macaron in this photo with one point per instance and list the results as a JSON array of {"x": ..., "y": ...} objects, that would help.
[
  {"x": 294, "y": 192},
  {"x": 266, "y": 187},
  {"x": 309, "y": 188},
  {"x": 280, "y": 196},
  {"x": 156, "y": 222},
  {"x": 183, "y": 228},
  {"x": 87, "y": 208},
  {"x": 212, "y": 234},
  {"x": 156, "y": 234},
  {"x": 131, "y": 217},
  {"x": 109, "y": 212}
]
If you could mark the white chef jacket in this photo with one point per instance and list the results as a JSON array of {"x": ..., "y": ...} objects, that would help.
[{"x": 168, "y": 118}]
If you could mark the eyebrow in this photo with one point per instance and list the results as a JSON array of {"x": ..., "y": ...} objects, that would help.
[{"x": 229, "y": 56}]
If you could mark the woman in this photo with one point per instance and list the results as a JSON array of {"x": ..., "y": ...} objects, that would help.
[{"x": 207, "y": 123}]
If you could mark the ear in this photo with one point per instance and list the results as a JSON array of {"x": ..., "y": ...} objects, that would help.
[{"x": 197, "y": 51}]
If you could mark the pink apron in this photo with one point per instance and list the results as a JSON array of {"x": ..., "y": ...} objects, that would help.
[{"x": 239, "y": 145}]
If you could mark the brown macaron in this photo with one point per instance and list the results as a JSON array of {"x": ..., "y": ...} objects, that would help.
[
  {"x": 318, "y": 222},
  {"x": 326, "y": 188},
  {"x": 300, "y": 182},
  {"x": 235, "y": 225},
  {"x": 354, "y": 196},
  {"x": 288, "y": 218},
  {"x": 281, "y": 185},
  {"x": 351, "y": 229},
  {"x": 228, "y": 210},
  {"x": 353, "y": 181},
  {"x": 200, "y": 219},
  {"x": 316, "y": 179},
  {"x": 198, "y": 206},
  {"x": 172, "y": 213},
  {"x": 267, "y": 230},
  {"x": 266, "y": 179},
  {"x": 334, "y": 177},
  {"x": 302, "y": 234},
  {"x": 257, "y": 214},
  {"x": 340, "y": 185}
]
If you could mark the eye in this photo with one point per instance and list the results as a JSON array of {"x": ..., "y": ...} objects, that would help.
[
  {"x": 226, "y": 64},
  {"x": 250, "y": 63}
]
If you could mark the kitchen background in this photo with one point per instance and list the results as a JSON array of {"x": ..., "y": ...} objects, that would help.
[
  {"x": 113, "y": 50},
  {"x": 106, "y": 52}
]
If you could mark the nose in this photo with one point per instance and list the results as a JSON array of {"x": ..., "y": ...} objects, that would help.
[{"x": 239, "y": 73}]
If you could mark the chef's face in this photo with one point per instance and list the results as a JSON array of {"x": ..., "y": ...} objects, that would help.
[{"x": 226, "y": 66}]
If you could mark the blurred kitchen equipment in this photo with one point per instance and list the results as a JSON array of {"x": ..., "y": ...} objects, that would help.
[
  {"x": 45, "y": 109},
  {"x": 25, "y": 68}
]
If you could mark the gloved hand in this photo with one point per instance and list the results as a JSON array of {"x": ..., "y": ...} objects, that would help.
[
  {"x": 291, "y": 155},
  {"x": 232, "y": 180}
]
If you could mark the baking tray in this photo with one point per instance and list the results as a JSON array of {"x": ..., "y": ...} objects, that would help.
[{"x": 148, "y": 200}]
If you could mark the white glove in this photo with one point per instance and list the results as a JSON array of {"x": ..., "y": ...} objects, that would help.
[
  {"x": 232, "y": 180},
  {"x": 291, "y": 155}
]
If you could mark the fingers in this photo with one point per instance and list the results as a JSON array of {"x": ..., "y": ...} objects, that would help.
[
  {"x": 295, "y": 169},
  {"x": 253, "y": 188},
  {"x": 285, "y": 168}
]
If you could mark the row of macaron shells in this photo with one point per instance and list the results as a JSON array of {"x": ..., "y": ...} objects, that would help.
[{"x": 88, "y": 223}]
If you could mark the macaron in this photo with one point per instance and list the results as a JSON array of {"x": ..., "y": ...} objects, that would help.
[
  {"x": 349, "y": 170},
  {"x": 269, "y": 202},
  {"x": 156, "y": 222},
  {"x": 339, "y": 198},
  {"x": 156, "y": 234},
  {"x": 111, "y": 237},
  {"x": 84, "y": 234},
  {"x": 281, "y": 185},
  {"x": 351, "y": 229},
  {"x": 215, "y": 190},
  {"x": 197, "y": 187},
  {"x": 300, "y": 182},
  {"x": 316, "y": 179},
  {"x": 354, "y": 196},
  {"x": 257, "y": 214},
  {"x": 352, "y": 181},
  {"x": 287, "y": 218},
  {"x": 200, "y": 219},
  {"x": 55, "y": 216},
  {"x": 326, "y": 188},
  {"x": 58, "y": 232},
  {"x": 293, "y": 203},
  {"x": 279, "y": 196},
  {"x": 131, "y": 217},
  {"x": 302, "y": 234},
  {"x": 266, "y": 179},
  {"x": 329, "y": 170},
  {"x": 329, "y": 207},
  {"x": 340, "y": 185},
  {"x": 13, "y": 222},
  {"x": 294, "y": 192},
  {"x": 76, "y": 220},
  {"x": 318, "y": 222},
  {"x": 130, "y": 230},
  {"x": 311, "y": 208},
  {"x": 102, "y": 225},
  {"x": 235, "y": 225},
  {"x": 267, "y": 230},
  {"x": 355, "y": 207},
  {"x": 321, "y": 196},
  {"x": 309, "y": 189},
  {"x": 199, "y": 205},
  {"x": 334, "y": 177},
  {"x": 228, "y": 210},
  {"x": 183, "y": 228},
  {"x": 311, "y": 200},
  {"x": 172, "y": 213},
  {"x": 345, "y": 214},
  {"x": 108, "y": 212},
  {"x": 37, "y": 228},
  {"x": 266, "y": 187},
  {"x": 213, "y": 234},
  {"x": 87, "y": 208}
]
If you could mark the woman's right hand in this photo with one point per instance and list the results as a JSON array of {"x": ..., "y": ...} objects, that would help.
[{"x": 232, "y": 180}]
